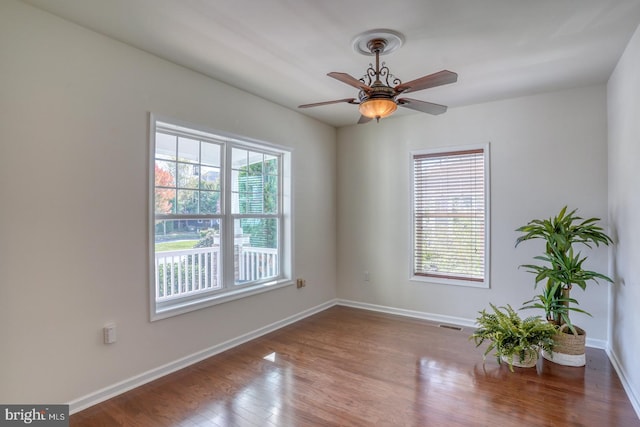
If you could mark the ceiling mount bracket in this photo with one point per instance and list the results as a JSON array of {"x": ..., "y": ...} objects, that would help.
[
  {"x": 382, "y": 40},
  {"x": 377, "y": 46}
]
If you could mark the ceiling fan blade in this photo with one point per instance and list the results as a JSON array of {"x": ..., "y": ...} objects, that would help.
[
  {"x": 350, "y": 80},
  {"x": 425, "y": 107},
  {"x": 440, "y": 78},
  {"x": 364, "y": 119},
  {"x": 337, "y": 101}
]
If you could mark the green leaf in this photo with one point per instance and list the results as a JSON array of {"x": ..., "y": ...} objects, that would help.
[
  {"x": 559, "y": 265},
  {"x": 509, "y": 335}
]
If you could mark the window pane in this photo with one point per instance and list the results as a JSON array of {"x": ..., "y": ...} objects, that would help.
[
  {"x": 164, "y": 201},
  {"x": 187, "y": 258},
  {"x": 188, "y": 176},
  {"x": 254, "y": 202},
  {"x": 270, "y": 165},
  {"x": 165, "y": 174},
  {"x": 270, "y": 194},
  {"x": 255, "y": 163},
  {"x": 239, "y": 159},
  {"x": 235, "y": 181},
  {"x": 254, "y": 182},
  {"x": 187, "y": 202},
  {"x": 209, "y": 178},
  {"x": 254, "y": 194},
  {"x": 165, "y": 146},
  {"x": 210, "y": 154},
  {"x": 209, "y": 202},
  {"x": 256, "y": 246},
  {"x": 188, "y": 150},
  {"x": 250, "y": 195},
  {"x": 235, "y": 203}
]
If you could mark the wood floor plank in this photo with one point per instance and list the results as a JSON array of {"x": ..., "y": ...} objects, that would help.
[{"x": 351, "y": 367}]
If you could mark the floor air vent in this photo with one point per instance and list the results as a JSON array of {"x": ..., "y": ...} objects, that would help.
[{"x": 455, "y": 328}]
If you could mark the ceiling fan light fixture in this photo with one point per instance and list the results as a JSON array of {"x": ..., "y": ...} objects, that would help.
[
  {"x": 378, "y": 88},
  {"x": 377, "y": 108}
]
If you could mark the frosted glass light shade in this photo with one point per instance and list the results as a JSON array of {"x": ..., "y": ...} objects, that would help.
[{"x": 377, "y": 108}]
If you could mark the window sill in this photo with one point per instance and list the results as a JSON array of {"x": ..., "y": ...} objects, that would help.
[
  {"x": 182, "y": 307},
  {"x": 454, "y": 282}
]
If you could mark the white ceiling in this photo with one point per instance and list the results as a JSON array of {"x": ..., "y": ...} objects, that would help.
[{"x": 282, "y": 50}]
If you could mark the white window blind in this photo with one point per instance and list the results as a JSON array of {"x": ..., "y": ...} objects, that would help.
[{"x": 450, "y": 215}]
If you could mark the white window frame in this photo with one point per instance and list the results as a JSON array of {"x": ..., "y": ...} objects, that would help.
[
  {"x": 484, "y": 283},
  {"x": 230, "y": 290}
]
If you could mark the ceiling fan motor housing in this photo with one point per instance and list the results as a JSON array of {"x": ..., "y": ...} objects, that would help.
[{"x": 378, "y": 91}]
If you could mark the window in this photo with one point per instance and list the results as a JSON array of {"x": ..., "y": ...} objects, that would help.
[
  {"x": 221, "y": 218},
  {"x": 450, "y": 209}
]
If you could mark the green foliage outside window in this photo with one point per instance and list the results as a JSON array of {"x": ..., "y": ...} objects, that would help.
[{"x": 258, "y": 194}]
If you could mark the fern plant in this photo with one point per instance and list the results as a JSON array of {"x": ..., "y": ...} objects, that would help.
[{"x": 510, "y": 336}]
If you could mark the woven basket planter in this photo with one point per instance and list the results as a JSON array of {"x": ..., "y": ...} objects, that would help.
[
  {"x": 530, "y": 360},
  {"x": 568, "y": 349}
]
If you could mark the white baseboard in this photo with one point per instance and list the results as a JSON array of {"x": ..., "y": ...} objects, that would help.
[
  {"x": 594, "y": 343},
  {"x": 633, "y": 397},
  {"x": 460, "y": 321},
  {"x": 153, "y": 374}
]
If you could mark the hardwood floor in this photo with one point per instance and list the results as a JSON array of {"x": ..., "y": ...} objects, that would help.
[{"x": 350, "y": 367}]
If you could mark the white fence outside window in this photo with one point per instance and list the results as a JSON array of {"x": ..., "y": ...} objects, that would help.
[{"x": 186, "y": 272}]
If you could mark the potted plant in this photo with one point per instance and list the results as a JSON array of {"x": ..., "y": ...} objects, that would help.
[
  {"x": 515, "y": 341},
  {"x": 562, "y": 268}
]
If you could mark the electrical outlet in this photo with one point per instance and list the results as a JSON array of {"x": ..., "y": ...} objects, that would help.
[
  {"x": 301, "y": 283},
  {"x": 366, "y": 276},
  {"x": 109, "y": 332}
]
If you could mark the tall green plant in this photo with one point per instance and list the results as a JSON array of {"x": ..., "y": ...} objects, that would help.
[{"x": 562, "y": 267}]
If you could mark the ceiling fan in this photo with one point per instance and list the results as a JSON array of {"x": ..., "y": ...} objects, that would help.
[{"x": 377, "y": 98}]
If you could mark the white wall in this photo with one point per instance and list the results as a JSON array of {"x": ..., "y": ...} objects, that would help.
[
  {"x": 73, "y": 207},
  {"x": 623, "y": 98},
  {"x": 547, "y": 150}
]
